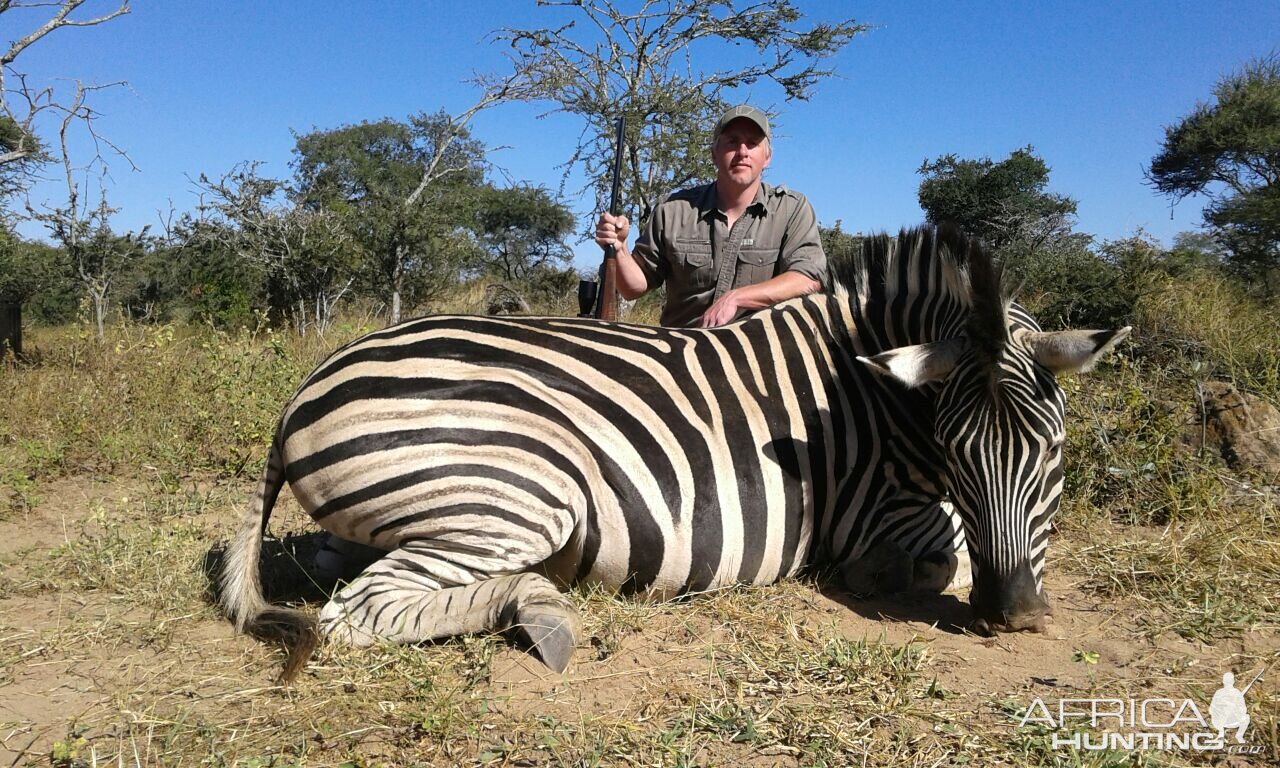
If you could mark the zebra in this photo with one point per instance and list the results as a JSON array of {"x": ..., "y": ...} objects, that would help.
[{"x": 907, "y": 414}]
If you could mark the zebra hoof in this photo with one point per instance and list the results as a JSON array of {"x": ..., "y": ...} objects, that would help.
[
  {"x": 982, "y": 628},
  {"x": 552, "y": 634}
]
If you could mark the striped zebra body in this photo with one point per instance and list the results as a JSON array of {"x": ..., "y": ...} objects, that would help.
[
  {"x": 488, "y": 455},
  {"x": 697, "y": 460}
]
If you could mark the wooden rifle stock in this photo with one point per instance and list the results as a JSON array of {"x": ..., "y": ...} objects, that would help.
[{"x": 607, "y": 309}]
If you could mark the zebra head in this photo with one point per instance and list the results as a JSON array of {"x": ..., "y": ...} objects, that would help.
[{"x": 999, "y": 425}]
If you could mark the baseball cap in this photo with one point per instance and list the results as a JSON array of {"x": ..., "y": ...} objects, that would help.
[{"x": 742, "y": 110}]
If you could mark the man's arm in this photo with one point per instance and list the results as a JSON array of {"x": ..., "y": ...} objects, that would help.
[
  {"x": 787, "y": 285},
  {"x": 804, "y": 268},
  {"x": 614, "y": 230}
]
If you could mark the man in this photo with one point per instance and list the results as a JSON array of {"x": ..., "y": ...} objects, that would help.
[{"x": 725, "y": 248}]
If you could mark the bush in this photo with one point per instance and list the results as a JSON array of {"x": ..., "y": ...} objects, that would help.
[{"x": 1071, "y": 286}]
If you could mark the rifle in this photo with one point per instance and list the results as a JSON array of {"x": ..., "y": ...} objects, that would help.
[{"x": 607, "y": 308}]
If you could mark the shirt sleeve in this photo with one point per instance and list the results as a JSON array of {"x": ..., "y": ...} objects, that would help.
[
  {"x": 647, "y": 251},
  {"x": 802, "y": 246}
]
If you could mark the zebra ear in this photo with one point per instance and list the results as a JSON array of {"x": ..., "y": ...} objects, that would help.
[
  {"x": 1073, "y": 351},
  {"x": 918, "y": 364}
]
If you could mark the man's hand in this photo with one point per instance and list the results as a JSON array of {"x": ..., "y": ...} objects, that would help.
[
  {"x": 722, "y": 310},
  {"x": 613, "y": 230},
  {"x": 781, "y": 287}
]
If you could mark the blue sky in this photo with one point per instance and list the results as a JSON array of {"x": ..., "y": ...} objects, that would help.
[{"x": 1090, "y": 85}]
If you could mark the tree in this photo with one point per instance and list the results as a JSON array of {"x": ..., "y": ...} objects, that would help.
[
  {"x": 304, "y": 255},
  {"x": 641, "y": 65},
  {"x": 24, "y": 269},
  {"x": 1005, "y": 204},
  {"x": 522, "y": 230},
  {"x": 219, "y": 286},
  {"x": 1195, "y": 251},
  {"x": 95, "y": 253},
  {"x": 837, "y": 243},
  {"x": 1229, "y": 151},
  {"x": 21, "y": 151},
  {"x": 405, "y": 192},
  {"x": 102, "y": 258},
  {"x": 40, "y": 277}
]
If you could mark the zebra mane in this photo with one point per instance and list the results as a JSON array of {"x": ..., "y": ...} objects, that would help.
[{"x": 918, "y": 264}]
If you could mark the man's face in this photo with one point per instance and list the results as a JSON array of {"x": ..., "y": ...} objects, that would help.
[{"x": 741, "y": 153}]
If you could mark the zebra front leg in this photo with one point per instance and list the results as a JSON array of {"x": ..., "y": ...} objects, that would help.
[{"x": 421, "y": 592}]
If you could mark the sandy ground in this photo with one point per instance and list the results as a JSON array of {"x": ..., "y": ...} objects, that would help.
[{"x": 99, "y": 664}]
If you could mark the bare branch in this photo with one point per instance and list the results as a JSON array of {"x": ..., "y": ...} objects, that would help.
[
  {"x": 493, "y": 94},
  {"x": 59, "y": 19}
]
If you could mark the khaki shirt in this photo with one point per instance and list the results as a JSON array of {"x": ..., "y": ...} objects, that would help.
[{"x": 688, "y": 245}]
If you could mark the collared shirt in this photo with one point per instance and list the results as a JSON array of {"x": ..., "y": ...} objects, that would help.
[{"x": 688, "y": 245}]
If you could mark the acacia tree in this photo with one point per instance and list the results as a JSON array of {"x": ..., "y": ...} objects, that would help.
[
  {"x": 1005, "y": 203},
  {"x": 84, "y": 231},
  {"x": 81, "y": 228},
  {"x": 97, "y": 255},
  {"x": 1229, "y": 151},
  {"x": 522, "y": 230},
  {"x": 404, "y": 191},
  {"x": 644, "y": 65}
]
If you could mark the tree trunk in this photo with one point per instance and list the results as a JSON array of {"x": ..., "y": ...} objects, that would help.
[
  {"x": 397, "y": 284},
  {"x": 99, "y": 311}
]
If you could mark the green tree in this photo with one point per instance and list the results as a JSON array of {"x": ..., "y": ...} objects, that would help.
[
  {"x": 649, "y": 66},
  {"x": 305, "y": 256},
  {"x": 837, "y": 243},
  {"x": 1195, "y": 251},
  {"x": 1004, "y": 203},
  {"x": 218, "y": 285},
  {"x": 25, "y": 154},
  {"x": 54, "y": 296},
  {"x": 28, "y": 269},
  {"x": 522, "y": 231},
  {"x": 1229, "y": 151},
  {"x": 406, "y": 192}
]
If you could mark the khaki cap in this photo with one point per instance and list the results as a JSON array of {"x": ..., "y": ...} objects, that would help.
[{"x": 742, "y": 110}]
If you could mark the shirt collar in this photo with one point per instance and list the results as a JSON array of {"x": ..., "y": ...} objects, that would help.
[{"x": 709, "y": 205}]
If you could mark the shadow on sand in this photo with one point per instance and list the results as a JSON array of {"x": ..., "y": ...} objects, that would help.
[{"x": 946, "y": 612}]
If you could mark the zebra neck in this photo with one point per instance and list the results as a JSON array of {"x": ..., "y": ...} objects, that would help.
[{"x": 881, "y": 459}]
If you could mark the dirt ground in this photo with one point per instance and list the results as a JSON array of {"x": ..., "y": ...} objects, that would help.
[{"x": 110, "y": 651}]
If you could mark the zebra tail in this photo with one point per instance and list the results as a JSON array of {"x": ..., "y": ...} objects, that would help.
[{"x": 242, "y": 597}]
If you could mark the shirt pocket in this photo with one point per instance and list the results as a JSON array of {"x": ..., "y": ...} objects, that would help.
[
  {"x": 693, "y": 265},
  {"x": 755, "y": 265}
]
